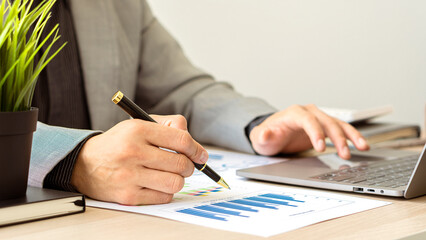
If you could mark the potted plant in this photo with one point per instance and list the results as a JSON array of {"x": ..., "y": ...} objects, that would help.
[{"x": 21, "y": 40}]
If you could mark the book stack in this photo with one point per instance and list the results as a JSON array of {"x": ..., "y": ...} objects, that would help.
[{"x": 378, "y": 134}]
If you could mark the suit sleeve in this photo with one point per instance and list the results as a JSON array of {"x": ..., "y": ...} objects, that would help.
[
  {"x": 50, "y": 146},
  {"x": 169, "y": 84}
]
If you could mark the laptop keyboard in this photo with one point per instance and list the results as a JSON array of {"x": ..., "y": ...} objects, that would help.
[{"x": 390, "y": 173}]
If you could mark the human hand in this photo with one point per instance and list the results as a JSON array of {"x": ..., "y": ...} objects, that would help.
[
  {"x": 126, "y": 165},
  {"x": 299, "y": 128}
]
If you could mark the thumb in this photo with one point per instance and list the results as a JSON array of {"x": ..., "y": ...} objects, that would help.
[{"x": 266, "y": 140}]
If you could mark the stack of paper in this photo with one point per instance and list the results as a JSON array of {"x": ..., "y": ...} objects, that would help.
[{"x": 252, "y": 208}]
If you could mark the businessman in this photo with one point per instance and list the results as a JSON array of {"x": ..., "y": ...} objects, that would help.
[{"x": 85, "y": 143}]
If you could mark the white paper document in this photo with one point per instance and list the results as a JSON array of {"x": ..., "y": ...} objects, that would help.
[{"x": 250, "y": 207}]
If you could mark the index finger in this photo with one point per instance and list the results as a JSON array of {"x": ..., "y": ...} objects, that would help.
[
  {"x": 176, "y": 140},
  {"x": 333, "y": 131}
]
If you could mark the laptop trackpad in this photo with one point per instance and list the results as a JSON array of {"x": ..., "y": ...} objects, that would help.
[{"x": 302, "y": 168}]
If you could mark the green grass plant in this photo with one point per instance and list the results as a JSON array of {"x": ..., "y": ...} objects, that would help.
[{"x": 21, "y": 28}]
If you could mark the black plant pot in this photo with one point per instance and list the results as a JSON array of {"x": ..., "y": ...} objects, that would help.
[{"x": 16, "y": 135}]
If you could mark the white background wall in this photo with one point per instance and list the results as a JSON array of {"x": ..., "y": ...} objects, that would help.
[{"x": 335, "y": 53}]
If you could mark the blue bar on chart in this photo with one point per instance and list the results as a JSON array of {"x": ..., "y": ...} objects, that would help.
[
  {"x": 251, "y": 203},
  {"x": 235, "y": 206},
  {"x": 194, "y": 212},
  {"x": 241, "y": 207},
  {"x": 282, "y": 197},
  {"x": 266, "y": 200},
  {"x": 219, "y": 210}
]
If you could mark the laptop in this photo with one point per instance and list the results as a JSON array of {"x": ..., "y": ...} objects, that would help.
[{"x": 386, "y": 172}]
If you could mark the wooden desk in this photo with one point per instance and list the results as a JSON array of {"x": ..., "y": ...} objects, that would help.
[{"x": 402, "y": 218}]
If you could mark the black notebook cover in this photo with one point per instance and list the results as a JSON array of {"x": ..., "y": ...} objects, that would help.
[{"x": 39, "y": 204}]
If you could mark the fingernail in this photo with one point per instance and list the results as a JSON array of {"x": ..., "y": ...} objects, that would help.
[
  {"x": 320, "y": 144},
  {"x": 204, "y": 157},
  {"x": 362, "y": 142},
  {"x": 345, "y": 151}
]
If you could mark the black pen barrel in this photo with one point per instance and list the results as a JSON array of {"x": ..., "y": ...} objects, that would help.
[{"x": 208, "y": 171}]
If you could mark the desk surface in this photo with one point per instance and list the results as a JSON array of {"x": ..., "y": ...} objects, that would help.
[{"x": 400, "y": 219}]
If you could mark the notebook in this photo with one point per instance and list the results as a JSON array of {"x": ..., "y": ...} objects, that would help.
[
  {"x": 376, "y": 132},
  {"x": 387, "y": 172},
  {"x": 40, "y": 204},
  {"x": 379, "y": 132},
  {"x": 357, "y": 115}
]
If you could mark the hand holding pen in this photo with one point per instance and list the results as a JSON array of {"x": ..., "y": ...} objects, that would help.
[
  {"x": 136, "y": 112},
  {"x": 126, "y": 165}
]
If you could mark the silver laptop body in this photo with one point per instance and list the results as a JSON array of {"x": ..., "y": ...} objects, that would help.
[{"x": 384, "y": 172}]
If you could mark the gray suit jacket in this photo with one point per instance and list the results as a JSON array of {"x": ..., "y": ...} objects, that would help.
[{"x": 123, "y": 47}]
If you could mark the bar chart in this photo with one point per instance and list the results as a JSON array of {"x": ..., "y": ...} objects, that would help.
[
  {"x": 262, "y": 205},
  {"x": 222, "y": 210}
]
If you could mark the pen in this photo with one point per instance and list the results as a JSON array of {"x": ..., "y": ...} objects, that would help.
[{"x": 136, "y": 112}]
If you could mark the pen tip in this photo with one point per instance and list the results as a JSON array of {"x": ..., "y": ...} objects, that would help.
[{"x": 222, "y": 183}]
